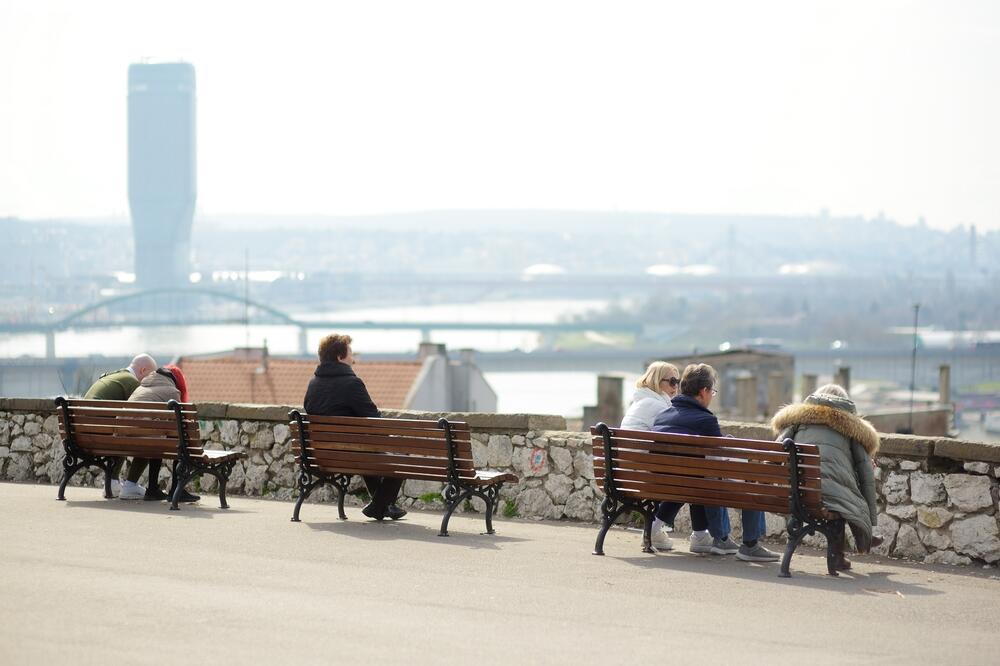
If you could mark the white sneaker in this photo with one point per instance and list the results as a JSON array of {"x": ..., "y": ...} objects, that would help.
[
  {"x": 132, "y": 491},
  {"x": 660, "y": 525},
  {"x": 116, "y": 487},
  {"x": 661, "y": 540},
  {"x": 701, "y": 542}
]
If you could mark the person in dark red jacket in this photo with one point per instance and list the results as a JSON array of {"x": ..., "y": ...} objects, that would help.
[
  {"x": 688, "y": 414},
  {"x": 335, "y": 390}
]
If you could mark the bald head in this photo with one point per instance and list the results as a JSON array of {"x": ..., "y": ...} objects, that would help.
[{"x": 142, "y": 365}]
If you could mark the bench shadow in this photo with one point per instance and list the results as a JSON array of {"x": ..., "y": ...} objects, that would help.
[
  {"x": 386, "y": 530},
  {"x": 196, "y": 510},
  {"x": 850, "y": 582}
]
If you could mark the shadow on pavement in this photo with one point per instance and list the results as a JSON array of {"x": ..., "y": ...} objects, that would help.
[
  {"x": 403, "y": 529},
  {"x": 849, "y": 582},
  {"x": 197, "y": 510}
]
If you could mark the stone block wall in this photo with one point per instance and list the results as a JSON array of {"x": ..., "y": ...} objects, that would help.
[{"x": 937, "y": 497}]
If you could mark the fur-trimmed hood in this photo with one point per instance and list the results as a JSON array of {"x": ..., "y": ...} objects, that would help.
[{"x": 842, "y": 421}]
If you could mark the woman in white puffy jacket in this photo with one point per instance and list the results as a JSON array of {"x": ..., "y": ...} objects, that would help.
[{"x": 652, "y": 395}]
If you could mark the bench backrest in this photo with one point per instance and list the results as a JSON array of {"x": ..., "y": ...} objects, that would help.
[
  {"x": 117, "y": 428},
  {"x": 403, "y": 448},
  {"x": 712, "y": 471}
]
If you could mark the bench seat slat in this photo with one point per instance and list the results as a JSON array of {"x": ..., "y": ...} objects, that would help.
[
  {"x": 77, "y": 403},
  {"x": 335, "y": 458},
  {"x": 130, "y": 420},
  {"x": 109, "y": 409},
  {"x": 399, "y": 447},
  {"x": 806, "y": 472},
  {"x": 375, "y": 438},
  {"x": 360, "y": 456},
  {"x": 777, "y": 503},
  {"x": 417, "y": 475},
  {"x": 316, "y": 430},
  {"x": 355, "y": 454},
  {"x": 675, "y": 438},
  {"x": 130, "y": 431},
  {"x": 667, "y": 494},
  {"x": 778, "y": 481},
  {"x": 88, "y": 439},
  {"x": 379, "y": 468},
  {"x": 723, "y": 485},
  {"x": 812, "y": 498},
  {"x": 756, "y": 456},
  {"x": 803, "y": 450},
  {"x": 426, "y": 433},
  {"x": 722, "y": 466}
]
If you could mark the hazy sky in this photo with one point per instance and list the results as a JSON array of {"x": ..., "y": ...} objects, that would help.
[{"x": 368, "y": 107}]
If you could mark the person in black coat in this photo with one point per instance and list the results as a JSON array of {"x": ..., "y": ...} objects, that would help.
[
  {"x": 335, "y": 390},
  {"x": 689, "y": 414}
]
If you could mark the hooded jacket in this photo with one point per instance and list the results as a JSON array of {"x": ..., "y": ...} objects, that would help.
[
  {"x": 642, "y": 410},
  {"x": 846, "y": 444},
  {"x": 335, "y": 390},
  {"x": 155, "y": 387}
]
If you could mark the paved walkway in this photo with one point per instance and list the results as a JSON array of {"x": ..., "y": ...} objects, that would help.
[{"x": 113, "y": 582}]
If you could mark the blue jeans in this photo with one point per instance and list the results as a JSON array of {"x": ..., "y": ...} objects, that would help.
[{"x": 754, "y": 526}]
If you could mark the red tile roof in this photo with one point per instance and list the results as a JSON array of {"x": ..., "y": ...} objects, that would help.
[{"x": 240, "y": 379}]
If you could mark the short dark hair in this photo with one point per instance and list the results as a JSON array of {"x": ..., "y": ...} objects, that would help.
[
  {"x": 696, "y": 377},
  {"x": 333, "y": 347}
]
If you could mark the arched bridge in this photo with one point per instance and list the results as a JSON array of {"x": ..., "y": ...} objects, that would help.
[{"x": 194, "y": 306}]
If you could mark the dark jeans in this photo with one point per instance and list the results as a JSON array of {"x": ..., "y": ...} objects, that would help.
[
  {"x": 383, "y": 491},
  {"x": 138, "y": 466},
  {"x": 754, "y": 526},
  {"x": 667, "y": 512}
]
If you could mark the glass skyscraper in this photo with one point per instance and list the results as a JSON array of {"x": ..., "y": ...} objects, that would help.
[{"x": 162, "y": 170}]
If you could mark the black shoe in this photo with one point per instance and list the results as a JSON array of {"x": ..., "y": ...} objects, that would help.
[
  {"x": 188, "y": 497},
  {"x": 372, "y": 511},
  {"x": 154, "y": 494},
  {"x": 395, "y": 512}
]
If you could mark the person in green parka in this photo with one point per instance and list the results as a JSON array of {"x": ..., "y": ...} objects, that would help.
[{"x": 847, "y": 445}]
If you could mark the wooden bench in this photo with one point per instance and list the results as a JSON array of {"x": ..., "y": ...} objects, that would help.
[
  {"x": 640, "y": 469},
  {"x": 330, "y": 449},
  {"x": 97, "y": 432}
]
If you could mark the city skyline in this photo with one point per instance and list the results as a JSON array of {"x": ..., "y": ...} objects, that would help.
[{"x": 779, "y": 109}]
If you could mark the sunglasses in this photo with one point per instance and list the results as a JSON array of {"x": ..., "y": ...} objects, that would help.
[{"x": 673, "y": 381}]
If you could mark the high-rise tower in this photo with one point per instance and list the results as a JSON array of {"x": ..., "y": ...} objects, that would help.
[{"x": 162, "y": 170}]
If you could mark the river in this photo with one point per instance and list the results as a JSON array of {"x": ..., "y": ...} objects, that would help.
[{"x": 562, "y": 393}]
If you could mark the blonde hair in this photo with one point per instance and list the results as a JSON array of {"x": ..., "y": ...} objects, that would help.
[{"x": 655, "y": 373}]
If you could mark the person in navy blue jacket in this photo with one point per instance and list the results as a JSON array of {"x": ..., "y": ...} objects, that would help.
[{"x": 689, "y": 414}]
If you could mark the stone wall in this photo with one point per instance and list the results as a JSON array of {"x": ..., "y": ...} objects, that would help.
[{"x": 937, "y": 497}]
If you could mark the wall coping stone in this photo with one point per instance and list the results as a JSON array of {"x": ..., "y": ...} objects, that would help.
[
  {"x": 962, "y": 450},
  {"x": 28, "y": 404},
  {"x": 909, "y": 446}
]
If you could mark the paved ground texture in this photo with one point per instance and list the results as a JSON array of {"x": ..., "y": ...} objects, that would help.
[{"x": 111, "y": 582}]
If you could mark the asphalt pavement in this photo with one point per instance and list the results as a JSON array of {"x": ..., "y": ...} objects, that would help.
[{"x": 95, "y": 581}]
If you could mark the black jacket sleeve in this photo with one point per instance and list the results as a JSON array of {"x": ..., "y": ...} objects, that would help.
[{"x": 361, "y": 402}]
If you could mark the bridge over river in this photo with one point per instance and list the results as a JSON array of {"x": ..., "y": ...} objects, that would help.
[{"x": 192, "y": 307}]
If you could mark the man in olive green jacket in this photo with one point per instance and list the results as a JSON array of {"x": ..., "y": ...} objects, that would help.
[{"x": 119, "y": 385}]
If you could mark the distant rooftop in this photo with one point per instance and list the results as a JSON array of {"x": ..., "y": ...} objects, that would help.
[{"x": 250, "y": 376}]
